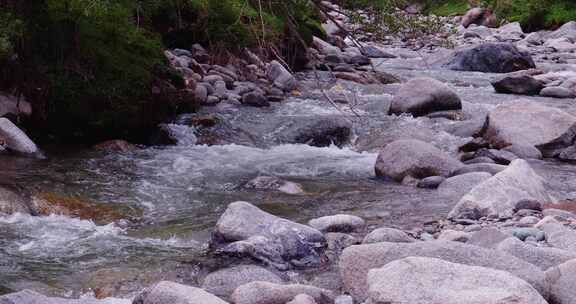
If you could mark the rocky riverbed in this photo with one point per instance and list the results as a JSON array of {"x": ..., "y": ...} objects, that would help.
[{"x": 395, "y": 172}]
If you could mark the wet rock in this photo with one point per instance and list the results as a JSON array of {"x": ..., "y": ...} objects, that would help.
[
  {"x": 429, "y": 280},
  {"x": 459, "y": 185},
  {"x": 422, "y": 96},
  {"x": 338, "y": 223},
  {"x": 12, "y": 202},
  {"x": 117, "y": 145},
  {"x": 387, "y": 235},
  {"x": 521, "y": 85},
  {"x": 524, "y": 151},
  {"x": 255, "y": 99},
  {"x": 431, "y": 182},
  {"x": 479, "y": 167},
  {"x": 562, "y": 280},
  {"x": 281, "y": 77},
  {"x": 375, "y": 52},
  {"x": 31, "y": 297},
  {"x": 357, "y": 261},
  {"x": 491, "y": 58},
  {"x": 557, "y": 92},
  {"x": 414, "y": 158},
  {"x": 526, "y": 123},
  {"x": 487, "y": 238},
  {"x": 322, "y": 133},
  {"x": 274, "y": 183},
  {"x": 499, "y": 195},
  {"x": 47, "y": 203},
  {"x": 454, "y": 236},
  {"x": 223, "y": 282},
  {"x": 560, "y": 236},
  {"x": 15, "y": 139},
  {"x": 269, "y": 293},
  {"x": 324, "y": 47},
  {"x": 499, "y": 156},
  {"x": 244, "y": 229},
  {"x": 302, "y": 299},
  {"x": 169, "y": 292},
  {"x": 543, "y": 257},
  {"x": 359, "y": 60}
]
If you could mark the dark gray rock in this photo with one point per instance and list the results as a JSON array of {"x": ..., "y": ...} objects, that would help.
[
  {"x": 479, "y": 167},
  {"x": 357, "y": 261},
  {"x": 322, "y": 133},
  {"x": 255, "y": 99},
  {"x": 524, "y": 151},
  {"x": 499, "y": 156},
  {"x": 422, "y": 96},
  {"x": 431, "y": 182},
  {"x": 414, "y": 158},
  {"x": 521, "y": 85},
  {"x": 244, "y": 229},
  {"x": 338, "y": 223},
  {"x": 491, "y": 58},
  {"x": 374, "y": 52}
]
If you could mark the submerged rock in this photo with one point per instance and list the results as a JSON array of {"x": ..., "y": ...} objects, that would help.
[
  {"x": 420, "y": 280},
  {"x": 15, "y": 139},
  {"x": 269, "y": 293},
  {"x": 174, "y": 293},
  {"x": 491, "y": 58},
  {"x": 422, "y": 96},
  {"x": 274, "y": 183},
  {"x": 415, "y": 159},
  {"x": 499, "y": 195},
  {"x": 244, "y": 229},
  {"x": 357, "y": 261}
]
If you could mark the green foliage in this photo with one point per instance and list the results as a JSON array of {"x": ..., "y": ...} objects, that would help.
[
  {"x": 535, "y": 14},
  {"x": 447, "y": 7},
  {"x": 11, "y": 29}
]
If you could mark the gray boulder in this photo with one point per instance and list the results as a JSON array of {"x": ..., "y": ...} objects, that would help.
[
  {"x": 420, "y": 280},
  {"x": 356, "y": 261},
  {"x": 561, "y": 147},
  {"x": 223, "y": 282},
  {"x": 338, "y": 223},
  {"x": 32, "y": 297},
  {"x": 488, "y": 238},
  {"x": 562, "y": 280},
  {"x": 457, "y": 186},
  {"x": 244, "y": 229},
  {"x": 560, "y": 236},
  {"x": 557, "y": 92},
  {"x": 267, "y": 183},
  {"x": 255, "y": 99},
  {"x": 568, "y": 30},
  {"x": 526, "y": 123},
  {"x": 521, "y": 85},
  {"x": 174, "y": 293},
  {"x": 491, "y": 58},
  {"x": 387, "y": 235},
  {"x": 543, "y": 257},
  {"x": 524, "y": 151},
  {"x": 280, "y": 76},
  {"x": 431, "y": 182},
  {"x": 499, "y": 195},
  {"x": 422, "y": 96},
  {"x": 269, "y": 293},
  {"x": 414, "y": 158},
  {"x": 15, "y": 139}
]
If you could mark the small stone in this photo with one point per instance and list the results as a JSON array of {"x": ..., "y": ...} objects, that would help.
[
  {"x": 387, "y": 235},
  {"x": 523, "y": 233},
  {"x": 338, "y": 223}
]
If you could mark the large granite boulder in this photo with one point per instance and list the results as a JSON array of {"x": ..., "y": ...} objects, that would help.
[
  {"x": 526, "y": 123},
  {"x": 421, "y": 280},
  {"x": 422, "y": 96},
  {"x": 562, "y": 280},
  {"x": 244, "y": 229},
  {"x": 491, "y": 58},
  {"x": 15, "y": 139},
  {"x": 357, "y": 261},
  {"x": 414, "y": 158},
  {"x": 499, "y": 195},
  {"x": 560, "y": 236},
  {"x": 543, "y": 257}
]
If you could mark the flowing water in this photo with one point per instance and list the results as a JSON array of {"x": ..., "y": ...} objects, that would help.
[{"x": 174, "y": 195}]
